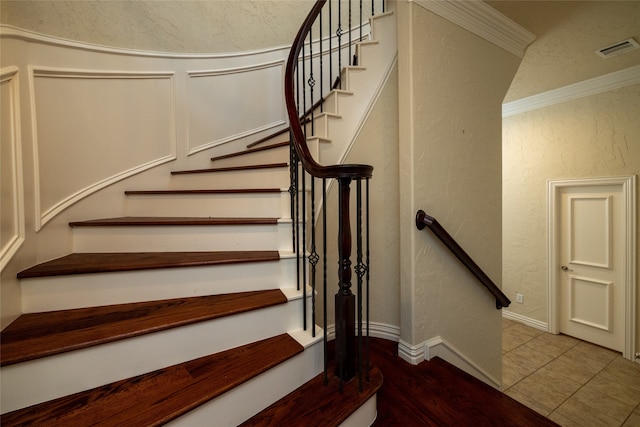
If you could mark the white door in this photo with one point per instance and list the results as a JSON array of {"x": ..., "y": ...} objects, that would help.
[{"x": 593, "y": 264}]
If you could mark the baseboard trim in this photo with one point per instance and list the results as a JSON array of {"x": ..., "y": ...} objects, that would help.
[
  {"x": 376, "y": 330},
  {"x": 413, "y": 354},
  {"x": 537, "y": 324}
]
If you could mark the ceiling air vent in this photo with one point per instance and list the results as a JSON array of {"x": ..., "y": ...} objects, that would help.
[{"x": 618, "y": 48}]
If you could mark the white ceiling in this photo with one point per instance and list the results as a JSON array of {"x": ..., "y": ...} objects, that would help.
[{"x": 567, "y": 33}]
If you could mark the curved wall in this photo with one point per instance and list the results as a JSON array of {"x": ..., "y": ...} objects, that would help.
[
  {"x": 164, "y": 26},
  {"x": 82, "y": 122}
]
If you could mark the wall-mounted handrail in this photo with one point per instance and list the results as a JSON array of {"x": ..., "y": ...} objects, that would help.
[{"x": 423, "y": 220}]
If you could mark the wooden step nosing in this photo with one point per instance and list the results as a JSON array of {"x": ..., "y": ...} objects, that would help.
[
  {"x": 198, "y": 381},
  {"x": 270, "y": 136},
  {"x": 172, "y": 221},
  {"x": 251, "y": 151},
  {"x": 204, "y": 191},
  {"x": 77, "y": 337},
  {"x": 233, "y": 168},
  {"x": 73, "y": 264}
]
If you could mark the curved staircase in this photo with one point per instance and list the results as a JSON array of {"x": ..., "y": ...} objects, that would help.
[
  {"x": 186, "y": 310},
  {"x": 154, "y": 316}
]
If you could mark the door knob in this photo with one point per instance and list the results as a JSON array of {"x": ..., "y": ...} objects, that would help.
[{"x": 565, "y": 268}]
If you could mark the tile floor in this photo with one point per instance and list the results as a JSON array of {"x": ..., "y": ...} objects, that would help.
[{"x": 572, "y": 382}]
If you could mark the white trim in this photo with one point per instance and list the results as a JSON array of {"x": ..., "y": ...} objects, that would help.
[
  {"x": 229, "y": 71},
  {"x": 439, "y": 347},
  {"x": 607, "y": 82},
  {"x": 484, "y": 21},
  {"x": 41, "y": 218},
  {"x": 413, "y": 354},
  {"x": 376, "y": 330},
  {"x": 10, "y": 75},
  {"x": 8, "y": 31},
  {"x": 536, "y": 324},
  {"x": 628, "y": 184}
]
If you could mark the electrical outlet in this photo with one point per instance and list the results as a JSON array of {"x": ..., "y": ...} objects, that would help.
[{"x": 519, "y": 298}]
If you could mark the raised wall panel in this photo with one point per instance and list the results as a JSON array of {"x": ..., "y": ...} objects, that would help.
[
  {"x": 225, "y": 105},
  {"x": 103, "y": 126},
  {"x": 12, "y": 231}
]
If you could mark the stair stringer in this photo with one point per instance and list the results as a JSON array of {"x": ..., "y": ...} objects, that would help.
[{"x": 363, "y": 83}]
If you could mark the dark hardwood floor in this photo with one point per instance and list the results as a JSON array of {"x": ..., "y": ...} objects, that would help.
[{"x": 432, "y": 394}]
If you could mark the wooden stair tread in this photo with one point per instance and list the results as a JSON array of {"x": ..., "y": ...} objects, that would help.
[
  {"x": 233, "y": 168},
  {"x": 151, "y": 221},
  {"x": 85, "y": 263},
  {"x": 269, "y": 137},
  {"x": 158, "y": 397},
  {"x": 318, "y": 404},
  {"x": 252, "y": 150},
  {"x": 204, "y": 191},
  {"x": 37, "y": 335}
]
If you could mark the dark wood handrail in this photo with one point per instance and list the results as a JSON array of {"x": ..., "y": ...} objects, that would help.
[
  {"x": 423, "y": 220},
  {"x": 297, "y": 134}
]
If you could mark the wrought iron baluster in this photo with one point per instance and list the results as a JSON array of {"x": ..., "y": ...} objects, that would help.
[
  {"x": 324, "y": 271},
  {"x": 360, "y": 271},
  {"x": 367, "y": 366},
  {"x": 350, "y": 30},
  {"x": 339, "y": 34}
]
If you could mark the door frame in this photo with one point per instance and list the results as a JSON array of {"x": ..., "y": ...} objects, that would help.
[{"x": 554, "y": 204}]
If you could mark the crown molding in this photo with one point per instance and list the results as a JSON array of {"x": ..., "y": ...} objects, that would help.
[
  {"x": 484, "y": 21},
  {"x": 628, "y": 76}
]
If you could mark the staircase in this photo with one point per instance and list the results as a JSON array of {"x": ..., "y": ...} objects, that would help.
[{"x": 187, "y": 309}]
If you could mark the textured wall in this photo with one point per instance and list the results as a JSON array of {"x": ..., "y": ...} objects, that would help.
[
  {"x": 453, "y": 83},
  {"x": 596, "y": 136},
  {"x": 166, "y": 26},
  {"x": 567, "y": 34}
]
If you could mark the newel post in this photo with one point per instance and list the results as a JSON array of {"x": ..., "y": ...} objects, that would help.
[{"x": 345, "y": 299}]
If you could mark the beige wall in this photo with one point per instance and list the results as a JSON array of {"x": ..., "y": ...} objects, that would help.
[
  {"x": 594, "y": 136},
  {"x": 165, "y": 26},
  {"x": 451, "y": 88}
]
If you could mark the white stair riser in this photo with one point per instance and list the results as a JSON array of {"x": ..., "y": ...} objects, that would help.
[
  {"x": 256, "y": 178},
  {"x": 244, "y": 401},
  {"x": 183, "y": 238},
  {"x": 333, "y": 100},
  {"x": 40, "y": 380},
  {"x": 91, "y": 290},
  {"x": 274, "y": 155},
  {"x": 271, "y": 205}
]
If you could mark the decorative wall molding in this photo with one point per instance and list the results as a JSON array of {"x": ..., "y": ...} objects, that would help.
[
  {"x": 210, "y": 93},
  {"x": 79, "y": 121},
  {"x": 8, "y": 31},
  {"x": 536, "y": 324},
  {"x": 13, "y": 221},
  {"x": 484, "y": 21},
  {"x": 607, "y": 82}
]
